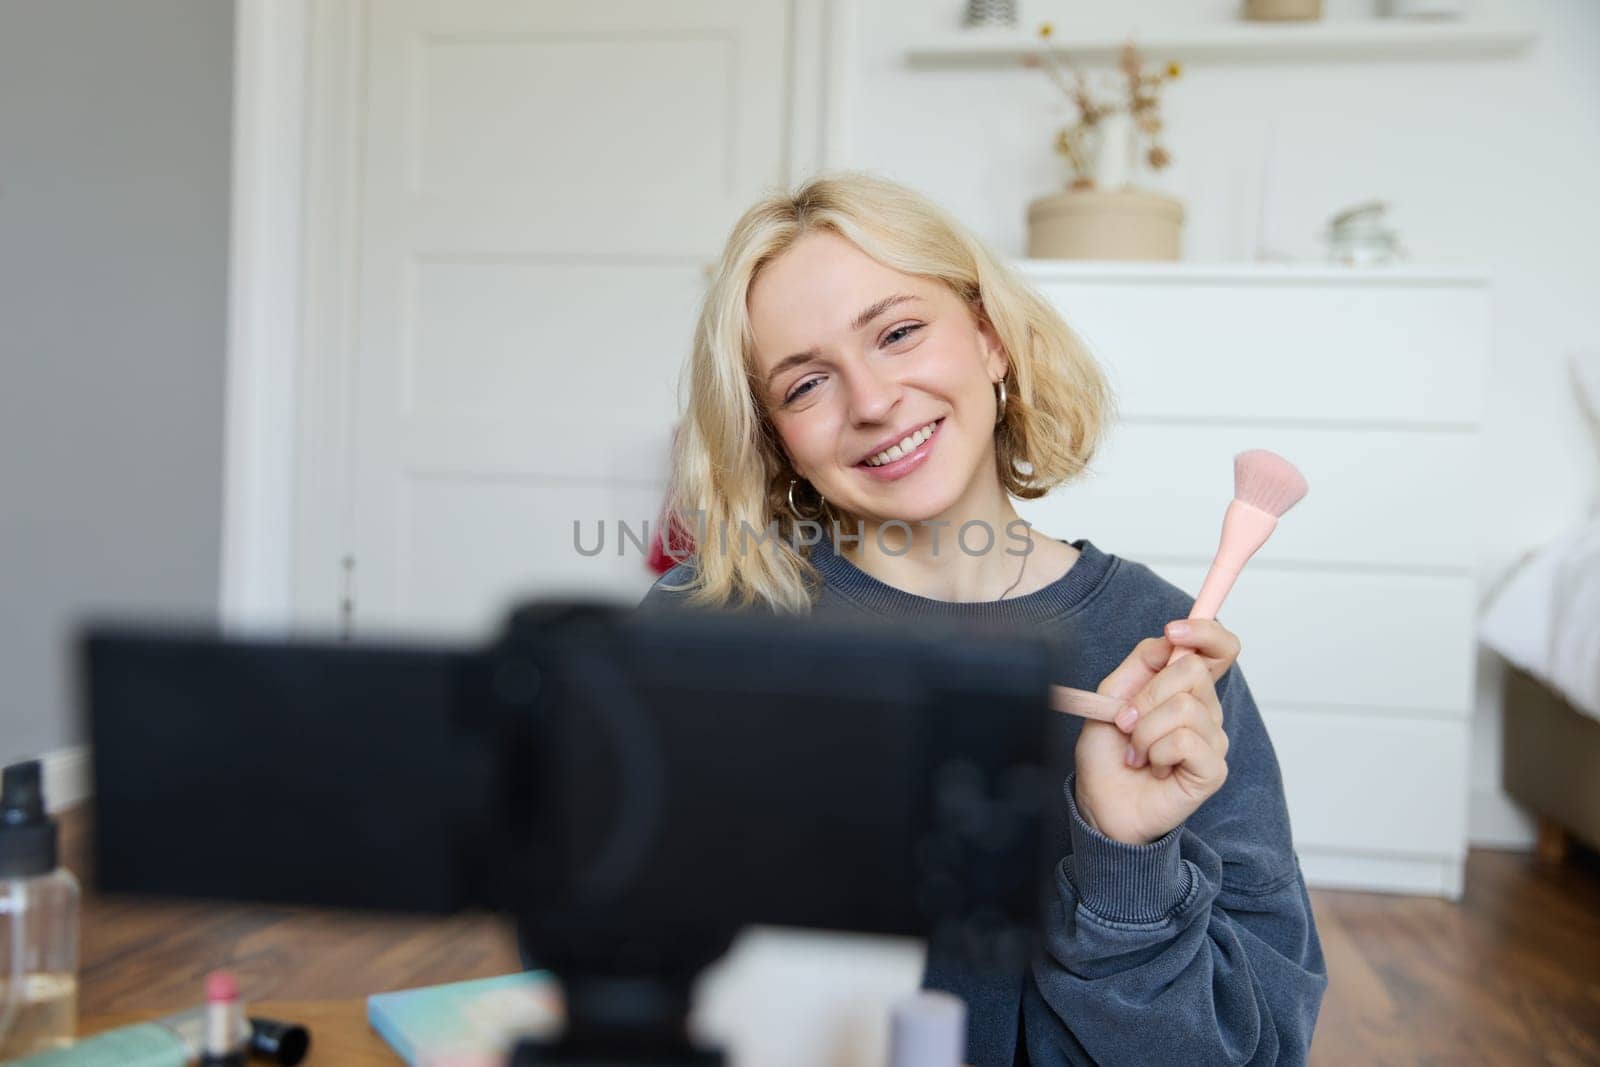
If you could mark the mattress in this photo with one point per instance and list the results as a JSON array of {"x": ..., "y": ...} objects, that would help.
[{"x": 1546, "y": 617}]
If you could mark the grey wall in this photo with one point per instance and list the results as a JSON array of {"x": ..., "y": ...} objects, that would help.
[{"x": 114, "y": 171}]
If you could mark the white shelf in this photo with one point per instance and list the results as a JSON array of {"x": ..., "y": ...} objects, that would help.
[{"x": 1240, "y": 41}]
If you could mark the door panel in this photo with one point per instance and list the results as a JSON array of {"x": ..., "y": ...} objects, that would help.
[{"x": 541, "y": 188}]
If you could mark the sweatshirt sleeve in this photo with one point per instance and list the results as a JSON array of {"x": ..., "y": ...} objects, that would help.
[
  {"x": 1199, "y": 947},
  {"x": 669, "y": 593}
]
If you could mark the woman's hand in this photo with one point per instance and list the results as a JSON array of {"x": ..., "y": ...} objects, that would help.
[{"x": 1144, "y": 774}]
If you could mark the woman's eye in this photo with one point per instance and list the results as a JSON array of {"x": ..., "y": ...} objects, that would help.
[
  {"x": 801, "y": 390},
  {"x": 900, "y": 333}
]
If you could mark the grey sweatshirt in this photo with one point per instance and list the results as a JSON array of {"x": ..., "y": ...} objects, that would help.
[{"x": 1198, "y": 948}]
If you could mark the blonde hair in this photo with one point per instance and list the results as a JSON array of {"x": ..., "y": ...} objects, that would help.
[{"x": 730, "y": 477}]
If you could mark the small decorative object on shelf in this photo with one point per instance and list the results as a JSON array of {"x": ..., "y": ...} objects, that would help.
[
  {"x": 1425, "y": 9},
  {"x": 1085, "y": 221},
  {"x": 991, "y": 13},
  {"x": 1282, "y": 10},
  {"x": 1360, "y": 237}
]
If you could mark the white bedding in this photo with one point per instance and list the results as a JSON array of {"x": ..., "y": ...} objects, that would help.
[
  {"x": 1546, "y": 619},
  {"x": 1575, "y": 631}
]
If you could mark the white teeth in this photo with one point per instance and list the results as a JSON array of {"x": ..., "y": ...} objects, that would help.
[{"x": 902, "y": 447}]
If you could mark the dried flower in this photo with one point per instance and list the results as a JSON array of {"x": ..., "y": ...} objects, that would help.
[
  {"x": 1079, "y": 141},
  {"x": 1129, "y": 61}
]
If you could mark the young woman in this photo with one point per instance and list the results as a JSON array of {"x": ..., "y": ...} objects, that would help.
[{"x": 871, "y": 382}]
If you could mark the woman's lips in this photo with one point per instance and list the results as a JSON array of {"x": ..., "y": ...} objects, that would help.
[{"x": 899, "y": 468}]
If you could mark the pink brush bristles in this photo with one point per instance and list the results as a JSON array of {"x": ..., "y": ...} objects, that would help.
[
  {"x": 1267, "y": 481},
  {"x": 1265, "y": 485}
]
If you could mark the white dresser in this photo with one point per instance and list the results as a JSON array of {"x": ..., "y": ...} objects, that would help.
[{"x": 1357, "y": 618}]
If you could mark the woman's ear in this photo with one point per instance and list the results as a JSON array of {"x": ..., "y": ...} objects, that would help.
[{"x": 995, "y": 360}]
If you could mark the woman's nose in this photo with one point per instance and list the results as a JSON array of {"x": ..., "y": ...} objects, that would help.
[{"x": 872, "y": 395}]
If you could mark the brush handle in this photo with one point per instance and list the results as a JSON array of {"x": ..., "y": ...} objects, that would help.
[
  {"x": 1244, "y": 530},
  {"x": 1084, "y": 704}
]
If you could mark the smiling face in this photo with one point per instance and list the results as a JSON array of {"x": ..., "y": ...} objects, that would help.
[{"x": 879, "y": 384}]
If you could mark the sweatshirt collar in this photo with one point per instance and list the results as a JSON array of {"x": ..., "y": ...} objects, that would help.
[{"x": 1051, "y": 602}]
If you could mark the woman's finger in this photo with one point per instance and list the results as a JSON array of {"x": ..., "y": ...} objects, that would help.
[
  {"x": 1134, "y": 673},
  {"x": 1185, "y": 711},
  {"x": 1184, "y": 747},
  {"x": 1218, "y": 645},
  {"x": 1189, "y": 674}
]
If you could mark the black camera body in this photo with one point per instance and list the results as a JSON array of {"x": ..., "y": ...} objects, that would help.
[{"x": 632, "y": 788}]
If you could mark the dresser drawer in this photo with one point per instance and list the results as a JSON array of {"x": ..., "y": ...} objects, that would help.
[
  {"x": 1352, "y": 638},
  {"x": 1379, "y": 498},
  {"x": 1348, "y": 639},
  {"x": 1281, "y": 343},
  {"x": 1371, "y": 783}
]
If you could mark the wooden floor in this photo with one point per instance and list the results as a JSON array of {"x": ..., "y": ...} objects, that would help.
[{"x": 1510, "y": 975}]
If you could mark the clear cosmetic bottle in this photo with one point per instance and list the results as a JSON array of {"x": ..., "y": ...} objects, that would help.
[{"x": 38, "y": 922}]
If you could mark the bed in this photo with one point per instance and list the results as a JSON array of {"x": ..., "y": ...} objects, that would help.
[
  {"x": 1545, "y": 621},
  {"x": 1550, "y": 763}
]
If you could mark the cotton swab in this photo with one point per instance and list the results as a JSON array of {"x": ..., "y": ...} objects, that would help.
[{"x": 1265, "y": 487}]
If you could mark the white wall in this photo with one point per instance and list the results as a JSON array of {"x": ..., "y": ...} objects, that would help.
[
  {"x": 1484, "y": 161},
  {"x": 114, "y": 151}
]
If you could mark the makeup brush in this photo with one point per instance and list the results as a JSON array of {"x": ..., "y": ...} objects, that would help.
[{"x": 1265, "y": 486}]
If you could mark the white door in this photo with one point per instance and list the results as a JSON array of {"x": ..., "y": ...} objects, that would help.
[
  {"x": 530, "y": 195},
  {"x": 541, "y": 188}
]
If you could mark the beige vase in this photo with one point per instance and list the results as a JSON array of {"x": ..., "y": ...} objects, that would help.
[
  {"x": 1100, "y": 224},
  {"x": 1282, "y": 10}
]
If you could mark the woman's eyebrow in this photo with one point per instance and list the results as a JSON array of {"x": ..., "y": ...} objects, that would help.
[
  {"x": 870, "y": 313},
  {"x": 861, "y": 321}
]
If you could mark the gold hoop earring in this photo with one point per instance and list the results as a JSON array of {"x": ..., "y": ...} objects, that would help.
[
  {"x": 796, "y": 511},
  {"x": 1000, "y": 408}
]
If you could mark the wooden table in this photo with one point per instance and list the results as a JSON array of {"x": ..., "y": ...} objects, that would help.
[{"x": 340, "y": 1036}]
